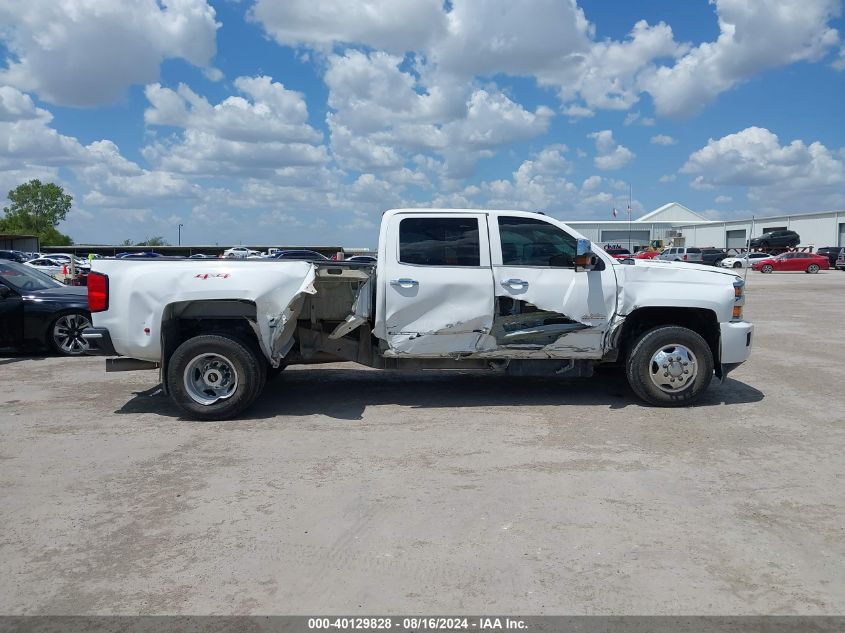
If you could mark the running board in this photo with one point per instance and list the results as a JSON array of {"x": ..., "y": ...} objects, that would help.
[{"x": 129, "y": 364}]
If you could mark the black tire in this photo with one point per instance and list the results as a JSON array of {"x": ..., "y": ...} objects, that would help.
[
  {"x": 638, "y": 367},
  {"x": 812, "y": 269},
  {"x": 70, "y": 343},
  {"x": 242, "y": 358},
  {"x": 767, "y": 268},
  {"x": 737, "y": 265}
]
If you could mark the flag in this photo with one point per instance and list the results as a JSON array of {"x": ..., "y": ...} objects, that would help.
[{"x": 614, "y": 212}]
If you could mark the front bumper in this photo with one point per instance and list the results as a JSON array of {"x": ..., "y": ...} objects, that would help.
[
  {"x": 735, "y": 344},
  {"x": 99, "y": 342}
]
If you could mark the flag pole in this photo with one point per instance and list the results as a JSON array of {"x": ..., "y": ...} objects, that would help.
[{"x": 630, "y": 189}]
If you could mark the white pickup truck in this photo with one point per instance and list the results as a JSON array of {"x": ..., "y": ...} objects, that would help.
[{"x": 507, "y": 291}]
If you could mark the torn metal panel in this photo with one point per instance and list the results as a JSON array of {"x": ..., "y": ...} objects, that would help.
[
  {"x": 361, "y": 310},
  {"x": 552, "y": 312}
]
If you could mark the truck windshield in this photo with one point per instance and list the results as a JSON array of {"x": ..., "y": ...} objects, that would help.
[{"x": 25, "y": 278}]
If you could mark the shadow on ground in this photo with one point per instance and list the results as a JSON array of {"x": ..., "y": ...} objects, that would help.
[
  {"x": 12, "y": 357},
  {"x": 345, "y": 393}
]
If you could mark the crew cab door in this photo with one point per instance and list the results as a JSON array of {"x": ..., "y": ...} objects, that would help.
[
  {"x": 436, "y": 284},
  {"x": 544, "y": 308}
]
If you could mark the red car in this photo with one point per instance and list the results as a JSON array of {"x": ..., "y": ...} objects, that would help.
[
  {"x": 808, "y": 262},
  {"x": 646, "y": 254},
  {"x": 617, "y": 252}
]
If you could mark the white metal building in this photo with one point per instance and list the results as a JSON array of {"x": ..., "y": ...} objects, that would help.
[
  {"x": 677, "y": 224},
  {"x": 660, "y": 224},
  {"x": 824, "y": 228}
]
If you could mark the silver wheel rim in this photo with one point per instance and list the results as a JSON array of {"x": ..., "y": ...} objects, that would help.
[
  {"x": 67, "y": 333},
  {"x": 673, "y": 368},
  {"x": 210, "y": 378},
  {"x": 813, "y": 268},
  {"x": 767, "y": 268}
]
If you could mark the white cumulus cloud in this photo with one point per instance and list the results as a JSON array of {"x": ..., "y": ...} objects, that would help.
[
  {"x": 610, "y": 154},
  {"x": 88, "y": 53},
  {"x": 799, "y": 176}
]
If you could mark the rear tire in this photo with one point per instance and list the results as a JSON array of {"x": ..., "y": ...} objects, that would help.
[
  {"x": 669, "y": 353},
  {"x": 214, "y": 377},
  {"x": 813, "y": 269},
  {"x": 65, "y": 334}
]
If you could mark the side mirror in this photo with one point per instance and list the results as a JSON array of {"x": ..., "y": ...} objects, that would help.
[
  {"x": 585, "y": 259},
  {"x": 4, "y": 291}
]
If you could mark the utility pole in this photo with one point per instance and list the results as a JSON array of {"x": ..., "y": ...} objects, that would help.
[{"x": 179, "y": 238}]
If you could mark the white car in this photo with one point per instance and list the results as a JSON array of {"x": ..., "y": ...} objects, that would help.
[
  {"x": 64, "y": 258},
  {"x": 47, "y": 265},
  {"x": 237, "y": 252},
  {"x": 743, "y": 261}
]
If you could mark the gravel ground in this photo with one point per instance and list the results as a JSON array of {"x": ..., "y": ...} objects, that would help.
[{"x": 346, "y": 490}]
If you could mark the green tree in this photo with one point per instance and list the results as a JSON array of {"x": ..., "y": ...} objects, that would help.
[
  {"x": 153, "y": 241},
  {"x": 37, "y": 208}
]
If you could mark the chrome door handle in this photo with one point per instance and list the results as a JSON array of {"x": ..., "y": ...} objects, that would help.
[
  {"x": 515, "y": 282},
  {"x": 404, "y": 282}
]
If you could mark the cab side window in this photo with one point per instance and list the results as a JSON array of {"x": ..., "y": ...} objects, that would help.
[
  {"x": 533, "y": 242},
  {"x": 439, "y": 242}
]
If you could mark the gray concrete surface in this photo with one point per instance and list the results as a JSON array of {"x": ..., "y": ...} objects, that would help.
[{"x": 355, "y": 491}]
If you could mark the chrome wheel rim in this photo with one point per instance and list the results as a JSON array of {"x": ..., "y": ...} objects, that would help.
[
  {"x": 813, "y": 268},
  {"x": 767, "y": 268},
  {"x": 673, "y": 368},
  {"x": 210, "y": 378},
  {"x": 67, "y": 333}
]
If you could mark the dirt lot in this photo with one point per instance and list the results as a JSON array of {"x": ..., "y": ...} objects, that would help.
[{"x": 355, "y": 491}]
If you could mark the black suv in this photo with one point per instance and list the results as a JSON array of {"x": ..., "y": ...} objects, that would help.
[
  {"x": 713, "y": 256},
  {"x": 13, "y": 256},
  {"x": 776, "y": 238},
  {"x": 831, "y": 252}
]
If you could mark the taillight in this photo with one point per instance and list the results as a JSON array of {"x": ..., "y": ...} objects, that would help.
[
  {"x": 98, "y": 292},
  {"x": 686, "y": 258}
]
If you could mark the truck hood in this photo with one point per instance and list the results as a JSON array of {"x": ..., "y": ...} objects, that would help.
[
  {"x": 676, "y": 267},
  {"x": 661, "y": 284}
]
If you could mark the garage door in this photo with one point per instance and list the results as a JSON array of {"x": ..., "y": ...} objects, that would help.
[
  {"x": 615, "y": 236},
  {"x": 735, "y": 239},
  {"x": 842, "y": 234}
]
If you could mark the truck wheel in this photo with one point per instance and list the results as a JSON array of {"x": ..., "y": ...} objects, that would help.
[
  {"x": 813, "y": 268},
  {"x": 670, "y": 366},
  {"x": 213, "y": 377}
]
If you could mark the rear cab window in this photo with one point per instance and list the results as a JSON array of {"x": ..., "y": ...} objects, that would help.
[{"x": 439, "y": 241}]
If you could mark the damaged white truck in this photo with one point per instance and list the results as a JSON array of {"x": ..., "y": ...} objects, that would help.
[{"x": 505, "y": 291}]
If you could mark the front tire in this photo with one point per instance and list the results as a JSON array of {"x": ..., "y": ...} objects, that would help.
[
  {"x": 737, "y": 265},
  {"x": 767, "y": 269},
  {"x": 214, "y": 377},
  {"x": 66, "y": 333},
  {"x": 670, "y": 366}
]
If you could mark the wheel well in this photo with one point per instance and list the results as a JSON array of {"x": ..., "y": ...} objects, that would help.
[
  {"x": 186, "y": 320},
  {"x": 699, "y": 320}
]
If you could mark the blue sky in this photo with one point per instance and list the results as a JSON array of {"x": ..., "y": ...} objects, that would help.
[{"x": 299, "y": 122}]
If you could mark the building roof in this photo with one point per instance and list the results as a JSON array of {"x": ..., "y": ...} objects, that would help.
[{"x": 672, "y": 212}]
